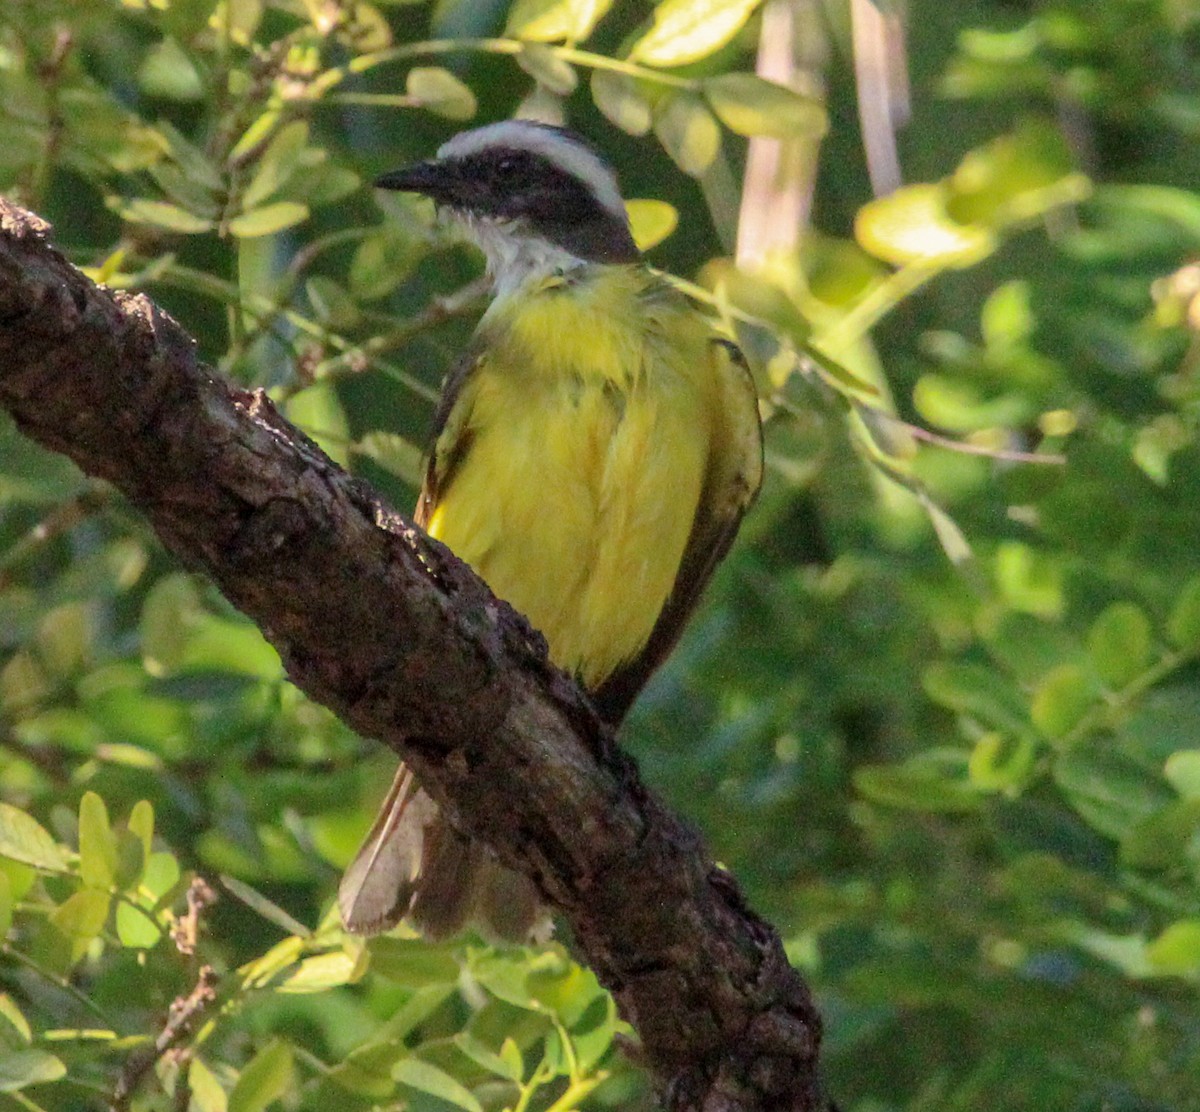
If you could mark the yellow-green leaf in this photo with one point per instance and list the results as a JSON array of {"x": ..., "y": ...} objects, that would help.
[
  {"x": 650, "y": 221},
  {"x": 427, "y": 1078},
  {"x": 688, "y": 133},
  {"x": 269, "y": 219},
  {"x": 160, "y": 214},
  {"x": 1184, "y": 622},
  {"x": 751, "y": 105},
  {"x": 548, "y": 69},
  {"x": 621, "y": 100},
  {"x": 207, "y": 1094},
  {"x": 97, "y": 844},
  {"x": 20, "y": 1068},
  {"x": 1182, "y": 770},
  {"x": 266, "y": 1078},
  {"x": 24, "y": 839},
  {"x": 1177, "y": 949},
  {"x": 913, "y": 226},
  {"x": 555, "y": 20},
  {"x": 81, "y": 918},
  {"x": 687, "y": 30},
  {"x": 1063, "y": 697},
  {"x": 1119, "y": 644},
  {"x": 439, "y": 91}
]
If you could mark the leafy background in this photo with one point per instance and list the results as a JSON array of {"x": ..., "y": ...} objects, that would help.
[{"x": 941, "y": 711}]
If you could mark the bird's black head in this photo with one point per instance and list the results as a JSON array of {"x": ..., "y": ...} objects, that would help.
[{"x": 528, "y": 179}]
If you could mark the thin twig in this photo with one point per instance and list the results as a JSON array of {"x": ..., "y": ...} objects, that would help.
[{"x": 183, "y": 1017}]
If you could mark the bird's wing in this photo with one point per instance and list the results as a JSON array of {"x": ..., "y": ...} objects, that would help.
[
  {"x": 450, "y": 436},
  {"x": 735, "y": 470}
]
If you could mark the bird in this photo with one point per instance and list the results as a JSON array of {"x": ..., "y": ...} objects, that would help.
[{"x": 593, "y": 452}]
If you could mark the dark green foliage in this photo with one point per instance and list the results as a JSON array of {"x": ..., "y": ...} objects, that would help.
[{"x": 941, "y": 714}]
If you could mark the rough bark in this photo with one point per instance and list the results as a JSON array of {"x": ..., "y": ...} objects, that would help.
[{"x": 390, "y": 631}]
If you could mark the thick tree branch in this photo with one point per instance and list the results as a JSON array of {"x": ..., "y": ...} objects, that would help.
[{"x": 402, "y": 641}]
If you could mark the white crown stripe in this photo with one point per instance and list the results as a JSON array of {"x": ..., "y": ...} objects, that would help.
[{"x": 568, "y": 155}]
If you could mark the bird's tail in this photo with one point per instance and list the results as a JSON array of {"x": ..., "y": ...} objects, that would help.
[{"x": 414, "y": 865}]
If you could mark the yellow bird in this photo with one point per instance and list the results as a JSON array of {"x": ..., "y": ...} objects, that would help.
[{"x": 593, "y": 453}]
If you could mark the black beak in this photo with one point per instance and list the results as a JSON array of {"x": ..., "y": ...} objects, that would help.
[{"x": 432, "y": 179}]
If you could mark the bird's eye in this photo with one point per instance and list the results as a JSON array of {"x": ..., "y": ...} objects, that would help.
[{"x": 506, "y": 166}]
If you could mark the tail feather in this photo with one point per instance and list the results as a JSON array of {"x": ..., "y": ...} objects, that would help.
[{"x": 414, "y": 865}]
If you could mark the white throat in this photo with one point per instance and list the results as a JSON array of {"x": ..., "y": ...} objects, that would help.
[{"x": 513, "y": 258}]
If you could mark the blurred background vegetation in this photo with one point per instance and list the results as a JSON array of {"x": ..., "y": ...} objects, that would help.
[{"x": 941, "y": 712}]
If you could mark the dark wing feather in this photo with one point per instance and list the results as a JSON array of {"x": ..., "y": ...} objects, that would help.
[
  {"x": 450, "y": 436},
  {"x": 731, "y": 485}
]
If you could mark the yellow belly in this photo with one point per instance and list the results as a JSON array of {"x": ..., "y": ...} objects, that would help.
[{"x": 580, "y": 481}]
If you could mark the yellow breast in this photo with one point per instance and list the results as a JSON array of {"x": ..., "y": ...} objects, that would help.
[{"x": 584, "y": 457}]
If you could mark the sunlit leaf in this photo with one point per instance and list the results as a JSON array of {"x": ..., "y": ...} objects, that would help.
[
  {"x": 21, "y": 1068},
  {"x": 650, "y": 221},
  {"x": 440, "y": 92},
  {"x": 97, "y": 843},
  {"x": 24, "y": 839},
  {"x": 620, "y": 98},
  {"x": 269, "y": 219},
  {"x": 688, "y": 132},
  {"x": 555, "y": 20},
  {"x": 751, "y": 105},
  {"x": 912, "y": 226},
  {"x": 687, "y": 30},
  {"x": 163, "y": 215}
]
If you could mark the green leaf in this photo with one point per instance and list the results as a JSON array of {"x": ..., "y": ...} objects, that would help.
[
  {"x": 555, "y": 20},
  {"x": 439, "y": 91},
  {"x": 548, "y": 69},
  {"x": 977, "y": 691},
  {"x": 278, "y": 163},
  {"x": 1182, "y": 771},
  {"x": 487, "y": 1059},
  {"x": 97, "y": 843},
  {"x": 413, "y": 963},
  {"x": 15, "y": 1031},
  {"x": 21, "y": 1068},
  {"x": 269, "y": 219},
  {"x": 141, "y": 825},
  {"x": 268, "y": 1076},
  {"x": 136, "y": 927},
  {"x": 621, "y": 100},
  {"x": 688, "y": 132},
  {"x": 322, "y": 972},
  {"x": 751, "y": 105},
  {"x": 912, "y": 226},
  {"x": 1059, "y": 702},
  {"x": 1119, "y": 644},
  {"x": 206, "y": 1091},
  {"x": 1177, "y": 949},
  {"x": 1112, "y": 792},
  {"x": 1183, "y": 626},
  {"x": 81, "y": 918},
  {"x": 1000, "y": 763},
  {"x": 427, "y": 1078},
  {"x": 160, "y": 214},
  {"x": 1161, "y": 839},
  {"x": 269, "y": 910},
  {"x": 688, "y": 30},
  {"x": 6, "y": 906},
  {"x": 24, "y": 839},
  {"x": 650, "y": 221},
  {"x": 382, "y": 261},
  {"x": 917, "y": 785}
]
